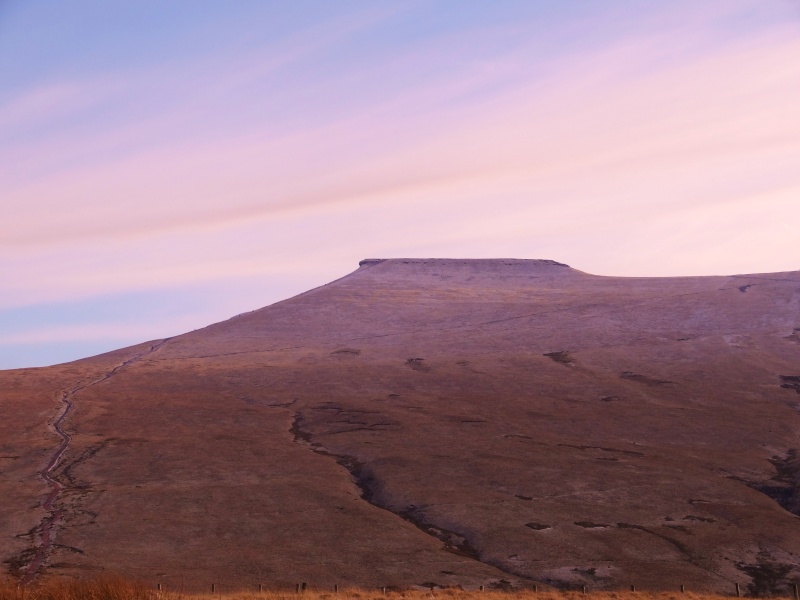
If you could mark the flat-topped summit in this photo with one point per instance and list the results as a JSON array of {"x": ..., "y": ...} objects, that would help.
[
  {"x": 457, "y": 272},
  {"x": 474, "y": 262}
]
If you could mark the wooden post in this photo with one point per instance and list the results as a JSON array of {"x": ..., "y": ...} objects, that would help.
[
  {"x": 633, "y": 588},
  {"x": 336, "y": 589},
  {"x": 213, "y": 587},
  {"x": 738, "y": 591},
  {"x": 158, "y": 587},
  {"x": 535, "y": 588},
  {"x": 583, "y": 589},
  {"x": 303, "y": 587},
  {"x": 481, "y": 588},
  {"x": 260, "y": 588},
  {"x": 683, "y": 589},
  {"x": 297, "y": 588},
  {"x": 796, "y": 591},
  {"x": 383, "y": 590}
]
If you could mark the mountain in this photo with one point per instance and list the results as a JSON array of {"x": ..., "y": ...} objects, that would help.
[{"x": 418, "y": 422}]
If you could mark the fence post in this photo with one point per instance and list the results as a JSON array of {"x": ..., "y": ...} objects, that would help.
[
  {"x": 336, "y": 589},
  {"x": 633, "y": 588},
  {"x": 158, "y": 587},
  {"x": 213, "y": 587},
  {"x": 260, "y": 588},
  {"x": 481, "y": 588},
  {"x": 535, "y": 588},
  {"x": 738, "y": 591},
  {"x": 583, "y": 589},
  {"x": 796, "y": 591},
  {"x": 297, "y": 588},
  {"x": 683, "y": 588}
]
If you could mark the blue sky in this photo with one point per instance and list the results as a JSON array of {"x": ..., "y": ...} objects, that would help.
[{"x": 165, "y": 165}]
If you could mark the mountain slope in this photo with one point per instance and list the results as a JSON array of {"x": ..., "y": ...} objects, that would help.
[{"x": 430, "y": 421}]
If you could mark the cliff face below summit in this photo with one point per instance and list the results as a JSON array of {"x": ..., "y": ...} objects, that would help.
[{"x": 472, "y": 422}]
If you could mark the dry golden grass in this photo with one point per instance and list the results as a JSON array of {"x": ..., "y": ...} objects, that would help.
[
  {"x": 107, "y": 588},
  {"x": 111, "y": 588}
]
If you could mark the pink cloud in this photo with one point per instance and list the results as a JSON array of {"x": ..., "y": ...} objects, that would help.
[{"x": 629, "y": 143}]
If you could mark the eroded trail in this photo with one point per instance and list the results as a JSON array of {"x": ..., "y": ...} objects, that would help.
[{"x": 49, "y": 524}]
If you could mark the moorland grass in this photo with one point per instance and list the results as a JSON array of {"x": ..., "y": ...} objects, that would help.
[{"x": 115, "y": 588}]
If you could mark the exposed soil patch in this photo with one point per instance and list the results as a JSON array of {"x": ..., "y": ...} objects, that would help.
[
  {"x": 591, "y": 525},
  {"x": 270, "y": 402},
  {"x": 501, "y": 586},
  {"x": 604, "y": 449},
  {"x": 769, "y": 577},
  {"x": 791, "y": 382},
  {"x": 682, "y": 548},
  {"x": 354, "y": 466},
  {"x": 744, "y": 288},
  {"x": 68, "y": 548},
  {"x": 68, "y": 472},
  {"x": 18, "y": 563},
  {"x": 784, "y": 487},
  {"x": 453, "y": 542},
  {"x": 562, "y": 357},
  {"x": 644, "y": 379},
  {"x": 353, "y": 419},
  {"x": 701, "y": 519},
  {"x": 591, "y": 574},
  {"x": 417, "y": 364}
]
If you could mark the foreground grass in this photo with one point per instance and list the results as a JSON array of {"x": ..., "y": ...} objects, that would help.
[
  {"x": 122, "y": 589},
  {"x": 66, "y": 589}
]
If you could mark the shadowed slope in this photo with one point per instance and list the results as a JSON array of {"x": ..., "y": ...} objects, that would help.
[{"x": 446, "y": 421}]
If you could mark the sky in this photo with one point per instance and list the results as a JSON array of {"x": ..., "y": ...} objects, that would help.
[{"x": 168, "y": 164}]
